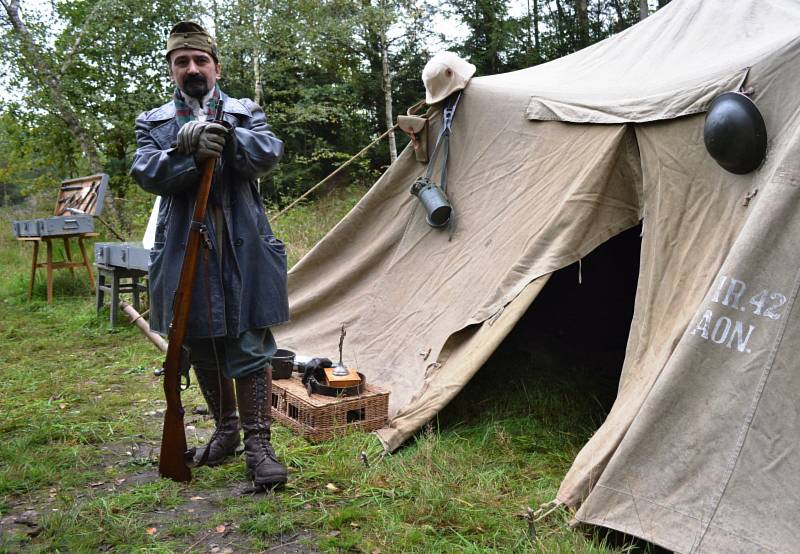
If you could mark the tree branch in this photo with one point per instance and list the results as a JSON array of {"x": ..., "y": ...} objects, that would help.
[
  {"x": 69, "y": 55},
  {"x": 36, "y": 58}
]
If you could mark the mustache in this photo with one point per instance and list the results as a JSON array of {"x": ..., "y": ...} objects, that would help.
[{"x": 190, "y": 79}]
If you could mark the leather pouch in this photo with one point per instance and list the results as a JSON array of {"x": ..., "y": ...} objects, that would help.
[{"x": 416, "y": 127}]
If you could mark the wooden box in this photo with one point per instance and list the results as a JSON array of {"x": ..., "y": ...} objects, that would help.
[{"x": 318, "y": 418}]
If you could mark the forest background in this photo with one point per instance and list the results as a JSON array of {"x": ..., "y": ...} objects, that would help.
[{"x": 331, "y": 75}]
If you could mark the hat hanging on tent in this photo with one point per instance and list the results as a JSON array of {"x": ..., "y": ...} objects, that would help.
[{"x": 444, "y": 74}]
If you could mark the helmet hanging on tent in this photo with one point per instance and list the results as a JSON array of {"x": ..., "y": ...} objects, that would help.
[{"x": 735, "y": 133}]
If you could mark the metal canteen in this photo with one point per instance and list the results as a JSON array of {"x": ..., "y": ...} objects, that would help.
[
  {"x": 735, "y": 133},
  {"x": 434, "y": 200}
]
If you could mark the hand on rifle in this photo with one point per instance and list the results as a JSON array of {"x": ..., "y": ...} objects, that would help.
[{"x": 204, "y": 139}]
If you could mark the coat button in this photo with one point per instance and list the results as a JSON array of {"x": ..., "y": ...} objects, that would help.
[{"x": 238, "y": 242}]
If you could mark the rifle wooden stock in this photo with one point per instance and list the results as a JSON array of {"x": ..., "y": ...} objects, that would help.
[{"x": 172, "y": 461}]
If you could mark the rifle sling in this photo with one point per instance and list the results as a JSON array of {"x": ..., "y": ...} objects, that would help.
[{"x": 206, "y": 281}]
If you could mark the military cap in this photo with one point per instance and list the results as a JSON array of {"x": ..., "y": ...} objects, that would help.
[{"x": 188, "y": 34}]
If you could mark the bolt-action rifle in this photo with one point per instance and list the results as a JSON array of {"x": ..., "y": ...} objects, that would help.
[{"x": 175, "y": 459}]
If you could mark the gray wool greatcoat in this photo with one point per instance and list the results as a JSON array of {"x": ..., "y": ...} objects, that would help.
[{"x": 247, "y": 288}]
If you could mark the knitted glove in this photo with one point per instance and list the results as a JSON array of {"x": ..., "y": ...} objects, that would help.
[
  {"x": 204, "y": 139},
  {"x": 187, "y": 137}
]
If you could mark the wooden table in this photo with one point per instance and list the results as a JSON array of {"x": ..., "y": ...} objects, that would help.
[{"x": 50, "y": 265}]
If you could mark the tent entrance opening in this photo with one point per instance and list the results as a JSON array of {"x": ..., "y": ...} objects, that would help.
[{"x": 566, "y": 352}]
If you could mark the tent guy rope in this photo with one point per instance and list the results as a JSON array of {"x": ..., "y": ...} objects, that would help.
[{"x": 337, "y": 170}]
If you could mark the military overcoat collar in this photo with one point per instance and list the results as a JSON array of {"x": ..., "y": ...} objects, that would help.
[{"x": 167, "y": 111}]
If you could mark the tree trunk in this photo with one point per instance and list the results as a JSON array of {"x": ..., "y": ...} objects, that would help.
[
  {"x": 562, "y": 40},
  {"x": 583, "y": 22},
  {"x": 644, "y": 10},
  {"x": 258, "y": 92},
  {"x": 387, "y": 95},
  {"x": 620, "y": 23},
  {"x": 529, "y": 42},
  {"x": 41, "y": 68},
  {"x": 536, "y": 25}
]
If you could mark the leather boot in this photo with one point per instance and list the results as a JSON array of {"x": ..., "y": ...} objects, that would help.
[
  {"x": 254, "y": 394},
  {"x": 218, "y": 392}
]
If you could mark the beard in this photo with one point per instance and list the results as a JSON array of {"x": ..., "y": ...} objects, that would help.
[{"x": 195, "y": 86}]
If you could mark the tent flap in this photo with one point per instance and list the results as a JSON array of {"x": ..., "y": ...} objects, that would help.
[{"x": 664, "y": 104}]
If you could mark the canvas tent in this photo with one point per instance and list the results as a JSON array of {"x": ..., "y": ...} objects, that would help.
[{"x": 700, "y": 451}]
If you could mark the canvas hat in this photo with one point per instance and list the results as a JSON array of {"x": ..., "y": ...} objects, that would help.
[
  {"x": 188, "y": 34},
  {"x": 444, "y": 74}
]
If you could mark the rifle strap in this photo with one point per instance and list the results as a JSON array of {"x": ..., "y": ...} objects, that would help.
[{"x": 206, "y": 282}]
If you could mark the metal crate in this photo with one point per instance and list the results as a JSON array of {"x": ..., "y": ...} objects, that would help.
[
  {"x": 53, "y": 226},
  {"x": 128, "y": 255}
]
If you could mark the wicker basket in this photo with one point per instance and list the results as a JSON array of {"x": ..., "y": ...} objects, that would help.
[{"x": 318, "y": 418}]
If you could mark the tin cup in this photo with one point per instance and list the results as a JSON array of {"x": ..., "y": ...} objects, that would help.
[
  {"x": 282, "y": 364},
  {"x": 434, "y": 200}
]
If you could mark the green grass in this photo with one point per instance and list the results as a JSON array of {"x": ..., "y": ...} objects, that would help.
[{"x": 77, "y": 403}]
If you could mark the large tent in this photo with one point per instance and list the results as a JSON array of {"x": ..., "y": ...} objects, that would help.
[{"x": 700, "y": 452}]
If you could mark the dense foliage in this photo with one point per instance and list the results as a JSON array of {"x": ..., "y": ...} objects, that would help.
[{"x": 78, "y": 72}]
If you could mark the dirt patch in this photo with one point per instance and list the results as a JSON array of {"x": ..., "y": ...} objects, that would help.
[
  {"x": 226, "y": 537},
  {"x": 135, "y": 462}
]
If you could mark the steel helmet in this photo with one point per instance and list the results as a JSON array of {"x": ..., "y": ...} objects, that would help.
[{"x": 735, "y": 133}]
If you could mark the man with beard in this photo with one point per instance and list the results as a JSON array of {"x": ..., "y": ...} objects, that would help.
[{"x": 240, "y": 288}]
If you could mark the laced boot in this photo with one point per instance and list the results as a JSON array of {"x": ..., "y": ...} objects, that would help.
[
  {"x": 254, "y": 394},
  {"x": 218, "y": 392}
]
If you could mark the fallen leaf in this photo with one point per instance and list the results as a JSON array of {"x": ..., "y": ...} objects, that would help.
[
  {"x": 119, "y": 481},
  {"x": 151, "y": 530},
  {"x": 197, "y": 498},
  {"x": 331, "y": 487},
  {"x": 62, "y": 406},
  {"x": 220, "y": 528},
  {"x": 334, "y": 533},
  {"x": 354, "y": 525},
  {"x": 97, "y": 484}
]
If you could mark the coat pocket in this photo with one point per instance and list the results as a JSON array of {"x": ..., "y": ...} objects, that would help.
[
  {"x": 271, "y": 284},
  {"x": 274, "y": 244}
]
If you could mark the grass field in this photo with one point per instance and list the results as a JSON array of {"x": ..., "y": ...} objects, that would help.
[{"x": 81, "y": 414}]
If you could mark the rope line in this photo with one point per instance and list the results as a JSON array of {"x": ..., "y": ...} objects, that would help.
[{"x": 337, "y": 170}]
